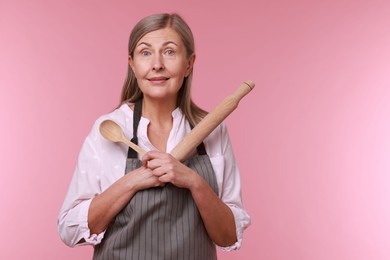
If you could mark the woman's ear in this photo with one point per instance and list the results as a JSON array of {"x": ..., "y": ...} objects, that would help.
[
  {"x": 130, "y": 60},
  {"x": 191, "y": 61}
]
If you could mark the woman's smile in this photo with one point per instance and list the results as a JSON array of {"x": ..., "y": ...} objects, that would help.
[{"x": 158, "y": 80}]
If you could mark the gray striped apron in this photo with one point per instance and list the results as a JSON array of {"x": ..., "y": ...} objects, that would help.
[{"x": 160, "y": 223}]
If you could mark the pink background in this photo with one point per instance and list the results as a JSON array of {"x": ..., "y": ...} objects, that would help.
[{"x": 312, "y": 139}]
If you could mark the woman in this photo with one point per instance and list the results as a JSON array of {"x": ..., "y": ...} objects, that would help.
[{"x": 155, "y": 207}]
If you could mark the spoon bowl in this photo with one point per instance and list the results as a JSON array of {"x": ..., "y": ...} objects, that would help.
[{"x": 113, "y": 132}]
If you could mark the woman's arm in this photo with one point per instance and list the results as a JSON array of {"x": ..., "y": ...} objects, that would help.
[
  {"x": 108, "y": 204},
  {"x": 222, "y": 157},
  {"x": 98, "y": 189},
  {"x": 216, "y": 215}
]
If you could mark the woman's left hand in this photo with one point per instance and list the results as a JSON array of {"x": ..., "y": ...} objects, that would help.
[{"x": 169, "y": 169}]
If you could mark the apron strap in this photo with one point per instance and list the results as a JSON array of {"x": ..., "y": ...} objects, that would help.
[{"x": 136, "y": 118}]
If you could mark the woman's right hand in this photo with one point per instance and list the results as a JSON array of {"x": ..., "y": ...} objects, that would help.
[{"x": 141, "y": 178}]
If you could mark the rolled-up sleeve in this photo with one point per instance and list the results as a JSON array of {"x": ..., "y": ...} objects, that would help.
[
  {"x": 72, "y": 221},
  {"x": 229, "y": 181}
]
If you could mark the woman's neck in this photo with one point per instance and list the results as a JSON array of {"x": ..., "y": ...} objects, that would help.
[{"x": 158, "y": 113}]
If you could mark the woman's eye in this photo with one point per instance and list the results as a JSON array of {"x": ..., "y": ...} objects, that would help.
[
  {"x": 170, "y": 52},
  {"x": 145, "y": 53}
]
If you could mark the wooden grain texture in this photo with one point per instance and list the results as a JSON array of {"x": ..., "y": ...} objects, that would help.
[{"x": 211, "y": 121}]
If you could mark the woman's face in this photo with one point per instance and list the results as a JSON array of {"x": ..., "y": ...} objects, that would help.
[{"x": 160, "y": 64}]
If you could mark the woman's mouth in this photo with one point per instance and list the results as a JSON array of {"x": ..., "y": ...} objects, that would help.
[{"x": 158, "y": 79}]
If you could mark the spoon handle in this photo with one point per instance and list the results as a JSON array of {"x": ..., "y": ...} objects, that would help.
[{"x": 135, "y": 147}]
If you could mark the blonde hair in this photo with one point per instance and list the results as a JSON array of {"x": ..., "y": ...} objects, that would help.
[{"x": 131, "y": 91}]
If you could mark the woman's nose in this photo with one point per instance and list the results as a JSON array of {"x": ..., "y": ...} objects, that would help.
[{"x": 158, "y": 63}]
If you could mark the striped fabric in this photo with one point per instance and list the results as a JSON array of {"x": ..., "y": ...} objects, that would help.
[{"x": 161, "y": 223}]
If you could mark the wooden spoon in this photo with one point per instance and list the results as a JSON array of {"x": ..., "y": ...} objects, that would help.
[{"x": 113, "y": 132}]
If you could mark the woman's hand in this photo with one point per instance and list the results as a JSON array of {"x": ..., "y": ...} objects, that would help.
[
  {"x": 169, "y": 169},
  {"x": 141, "y": 178}
]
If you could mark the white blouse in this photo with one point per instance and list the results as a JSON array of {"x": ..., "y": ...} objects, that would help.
[{"x": 102, "y": 162}]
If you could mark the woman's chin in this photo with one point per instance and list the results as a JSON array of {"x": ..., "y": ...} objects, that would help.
[{"x": 160, "y": 95}]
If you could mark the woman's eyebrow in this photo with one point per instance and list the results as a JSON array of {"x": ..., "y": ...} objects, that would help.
[
  {"x": 145, "y": 43},
  {"x": 169, "y": 42},
  {"x": 164, "y": 44}
]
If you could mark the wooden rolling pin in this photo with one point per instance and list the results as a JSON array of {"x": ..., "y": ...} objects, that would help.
[{"x": 211, "y": 121}]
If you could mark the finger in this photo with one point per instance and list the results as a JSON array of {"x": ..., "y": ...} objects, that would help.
[
  {"x": 154, "y": 163},
  {"x": 160, "y": 171},
  {"x": 164, "y": 179},
  {"x": 151, "y": 155}
]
